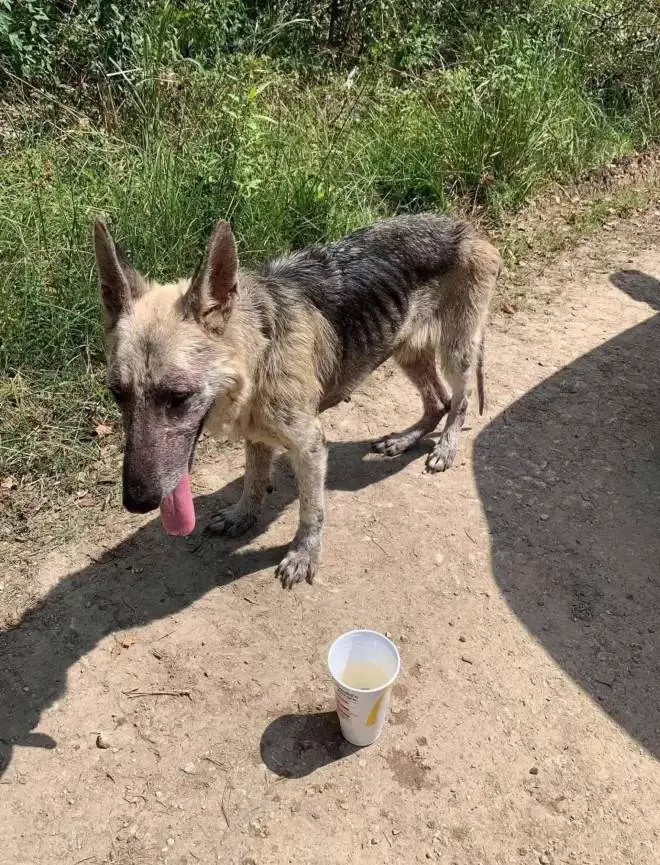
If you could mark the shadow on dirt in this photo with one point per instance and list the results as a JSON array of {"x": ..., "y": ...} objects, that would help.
[
  {"x": 569, "y": 476},
  {"x": 146, "y": 577},
  {"x": 293, "y": 746},
  {"x": 570, "y": 479}
]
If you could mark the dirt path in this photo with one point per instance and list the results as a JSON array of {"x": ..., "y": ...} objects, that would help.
[{"x": 521, "y": 587}]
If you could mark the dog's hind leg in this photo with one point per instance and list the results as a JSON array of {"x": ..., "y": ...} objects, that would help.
[
  {"x": 238, "y": 518},
  {"x": 459, "y": 352},
  {"x": 309, "y": 457},
  {"x": 464, "y": 308},
  {"x": 419, "y": 366},
  {"x": 458, "y": 372}
]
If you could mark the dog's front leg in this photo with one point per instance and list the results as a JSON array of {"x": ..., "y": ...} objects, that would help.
[
  {"x": 238, "y": 518},
  {"x": 309, "y": 458}
]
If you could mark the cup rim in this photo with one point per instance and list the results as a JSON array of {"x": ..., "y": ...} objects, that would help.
[{"x": 365, "y": 690}]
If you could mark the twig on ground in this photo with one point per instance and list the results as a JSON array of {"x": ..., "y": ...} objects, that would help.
[{"x": 135, "y": 693}]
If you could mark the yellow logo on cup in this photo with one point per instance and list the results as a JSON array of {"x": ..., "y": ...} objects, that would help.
[{"x": 373, "y": 715}]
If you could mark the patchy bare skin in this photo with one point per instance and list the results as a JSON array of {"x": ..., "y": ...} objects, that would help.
[{"x": 261, "y": 355}]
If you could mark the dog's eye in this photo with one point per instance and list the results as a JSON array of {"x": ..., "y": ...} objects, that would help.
[{"x": 176, "y": 399}]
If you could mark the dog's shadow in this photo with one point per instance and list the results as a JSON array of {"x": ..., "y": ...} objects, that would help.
[{"x": 146, "y": 577}]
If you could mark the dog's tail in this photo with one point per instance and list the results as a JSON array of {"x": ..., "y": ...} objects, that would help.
[
  {"x": 481, "y": 390},
  {"x": 480, "y": 373}
]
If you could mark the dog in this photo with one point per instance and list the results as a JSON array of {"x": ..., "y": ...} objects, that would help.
[{"x": 262, "y": 354}]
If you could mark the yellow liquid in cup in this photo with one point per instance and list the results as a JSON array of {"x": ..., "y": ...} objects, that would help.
[{"x": 364, "y": 675}]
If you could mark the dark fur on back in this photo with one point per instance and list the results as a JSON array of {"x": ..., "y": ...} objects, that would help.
[{"x": 363, "y": 283}]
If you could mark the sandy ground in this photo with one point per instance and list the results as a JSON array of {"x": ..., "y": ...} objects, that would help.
[{"x": 522, "y": 588}]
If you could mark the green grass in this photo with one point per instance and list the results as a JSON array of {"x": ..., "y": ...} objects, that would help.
[{"x": 287, "y": 161}]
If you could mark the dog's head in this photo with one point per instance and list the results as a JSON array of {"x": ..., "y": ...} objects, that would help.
[{"x": 166, "y": 365}]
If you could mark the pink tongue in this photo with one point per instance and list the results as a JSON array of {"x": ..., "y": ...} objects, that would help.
[{"x": 177, "y": 511}]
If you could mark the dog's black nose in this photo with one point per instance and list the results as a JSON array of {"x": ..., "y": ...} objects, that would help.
[
  {"x": 138, "y": 502},
  {"x": 141, "y": 485}
]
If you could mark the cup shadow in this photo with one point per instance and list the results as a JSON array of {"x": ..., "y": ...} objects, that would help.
[{"x": 294, "y": 746}]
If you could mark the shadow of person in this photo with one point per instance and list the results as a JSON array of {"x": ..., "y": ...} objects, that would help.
[
  {"x": 569, "y": 476},
  {"x": 146, "y": 577},
  {"x": 294, "y": 746},
  {"x": 639, "y": 286}
]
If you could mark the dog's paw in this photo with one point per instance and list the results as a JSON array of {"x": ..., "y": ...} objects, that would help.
[
  {"x": 296, "y": 566},
  {"x": 231, "y": 522},
  {"x": 441, "y": 458},
  {"x": 393, "y": 445}
]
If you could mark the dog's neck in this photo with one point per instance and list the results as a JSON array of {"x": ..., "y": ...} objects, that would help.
[{"x": 239, "y": 348}]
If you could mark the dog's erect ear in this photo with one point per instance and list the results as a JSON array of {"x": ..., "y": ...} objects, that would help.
[
  {"x": 212, "y": 292},
  {"x": 120, "y": 283}
]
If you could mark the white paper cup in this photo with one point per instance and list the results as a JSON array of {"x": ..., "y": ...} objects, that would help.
[{"x": 364, "y": 665}]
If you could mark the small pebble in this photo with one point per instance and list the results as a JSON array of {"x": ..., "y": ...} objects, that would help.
[
  {"x": 190, "y": 769},
  {"x": 461, "y": 639},
  {"x": 534, "y": 770},
  {"x": 544, "y": 517},
  {"x": 103, "y": 742},
  {"x": 257, "y": 829},
  {"x": 374, "y": 841},
  {"x": 396, "y": 831}
]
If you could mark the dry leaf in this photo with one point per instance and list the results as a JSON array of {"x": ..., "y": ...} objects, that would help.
[
  {"x": 9, "y": 483},
  {"x": 120, "y": 643},
  {"x": 103, "y": 429}
]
